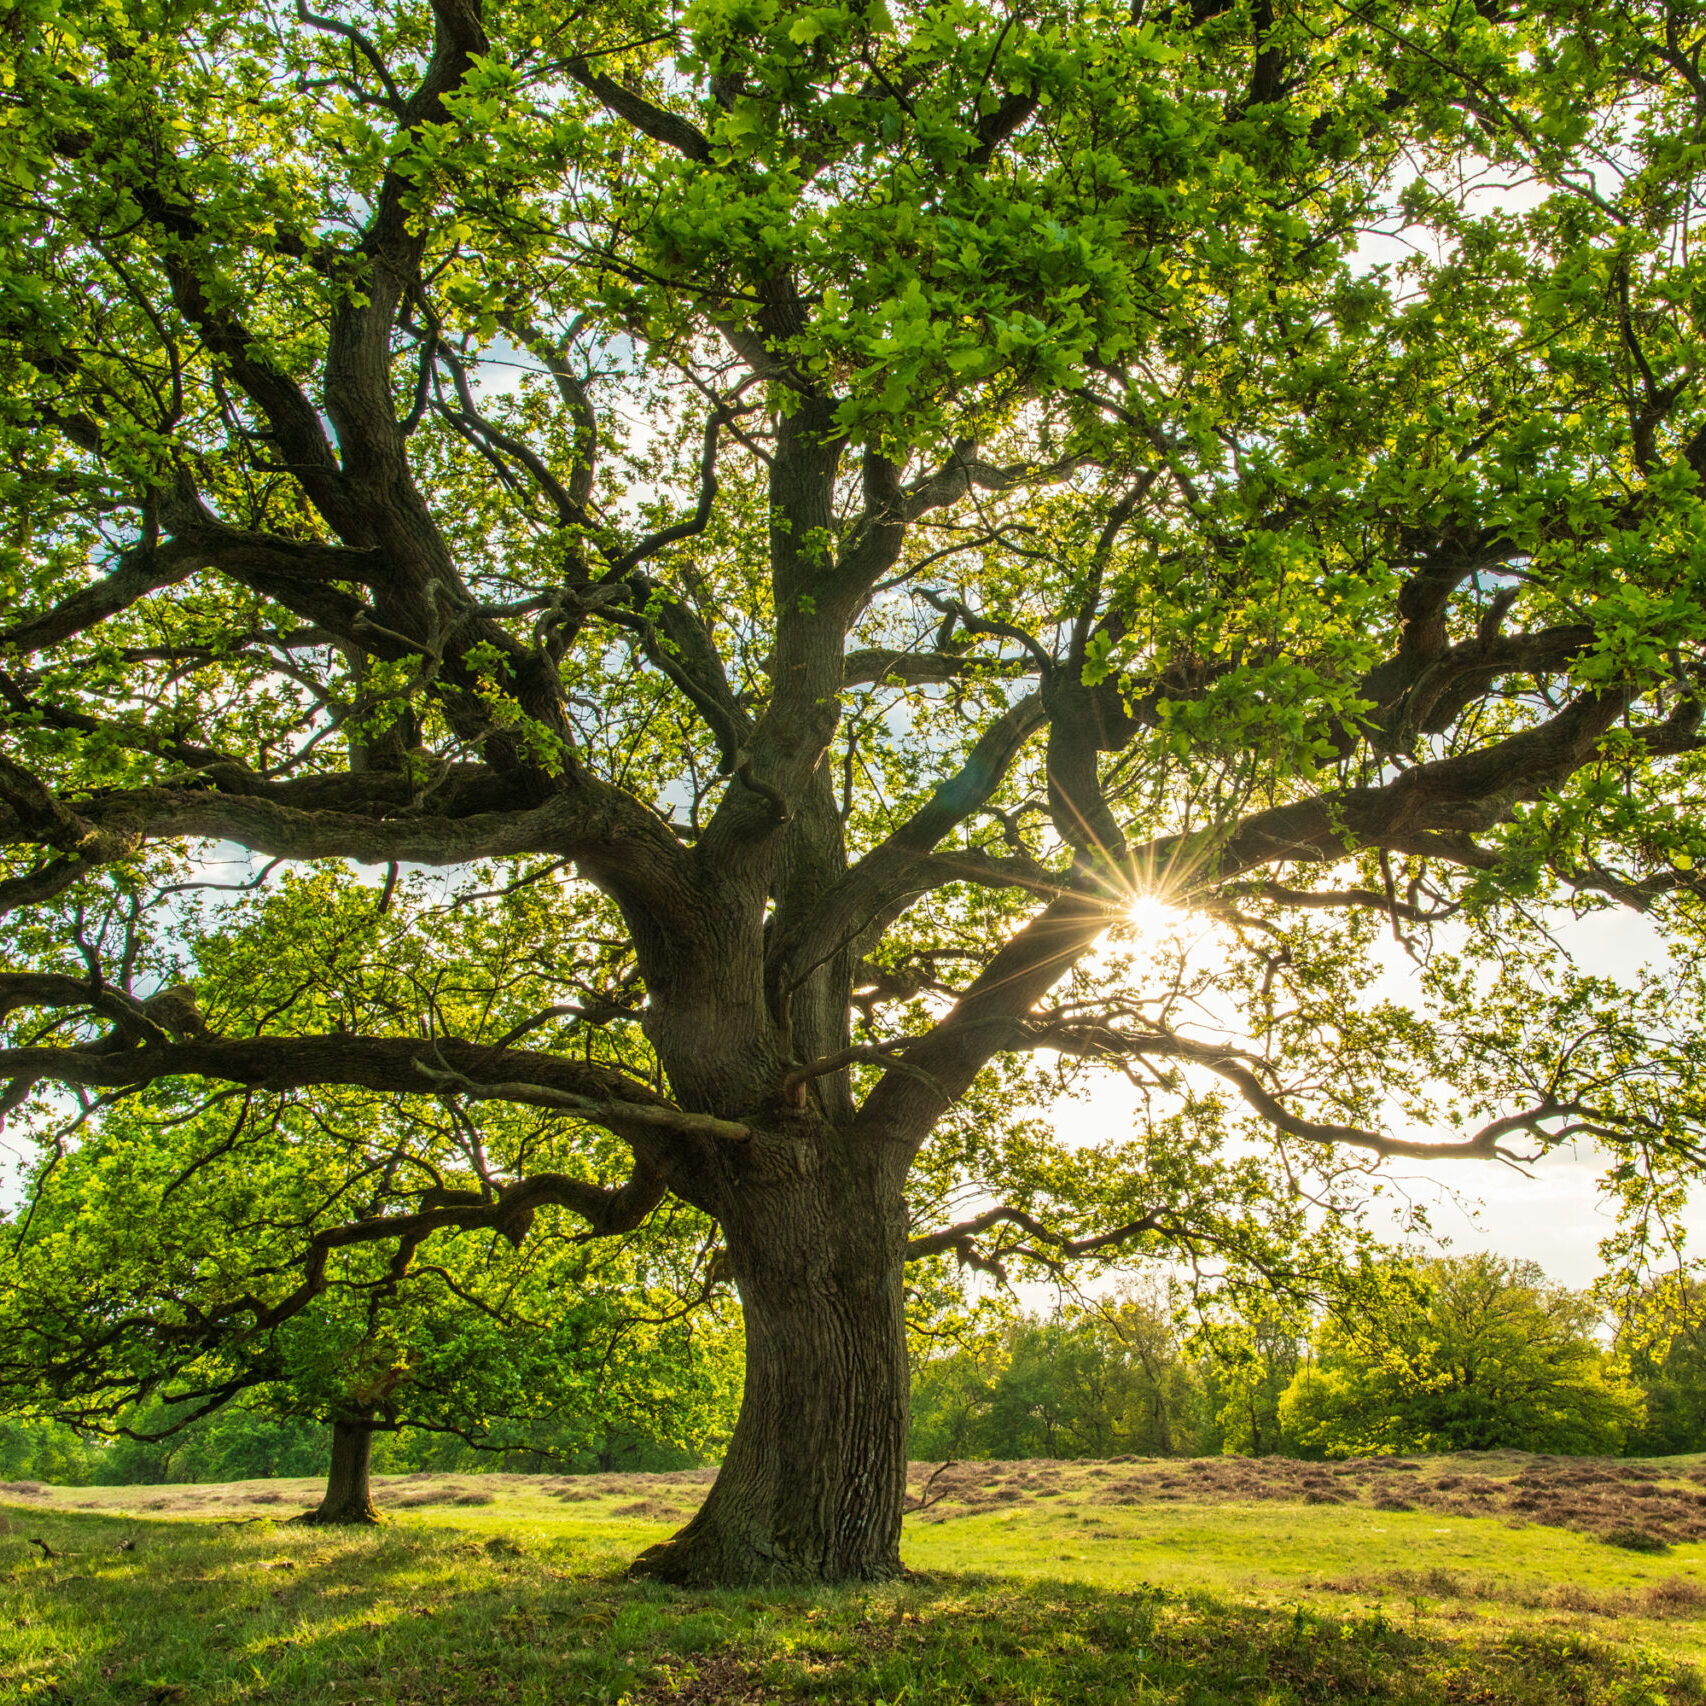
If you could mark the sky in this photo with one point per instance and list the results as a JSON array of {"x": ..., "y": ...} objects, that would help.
[{"x": 1551, "y": 1213}]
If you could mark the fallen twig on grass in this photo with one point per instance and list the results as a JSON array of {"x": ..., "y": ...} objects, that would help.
[{"x": 924, "y": 1499}]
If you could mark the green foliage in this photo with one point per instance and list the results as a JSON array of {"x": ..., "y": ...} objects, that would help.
[
  {"x": 42, "y": 1451},
  {"x": 174, "y": 1214},
  {"x": 1100, "y": 1382},
  {"x": 1662, "y": 1334},
  {"x": 238, "y": 1443},
  {"x": 1250, "y": 1366},
  {"x": 1469, "y": 1353}
]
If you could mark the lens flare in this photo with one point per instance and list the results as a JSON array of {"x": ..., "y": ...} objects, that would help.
[{"x": 1150, "y": 918}]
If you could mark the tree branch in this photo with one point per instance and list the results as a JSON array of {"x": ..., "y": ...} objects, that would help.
[{"x": 661, "y": 126}]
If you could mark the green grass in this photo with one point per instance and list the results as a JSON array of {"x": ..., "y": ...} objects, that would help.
[{"x": 1058, "y": 1600}]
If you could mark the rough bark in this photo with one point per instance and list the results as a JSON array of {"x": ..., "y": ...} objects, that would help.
[
  {"x": 812, "y": 1486},
  {"x": 349, "y": 1497}
]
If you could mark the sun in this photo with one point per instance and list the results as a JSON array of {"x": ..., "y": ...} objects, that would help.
[{"x": 1149, "y": 918}]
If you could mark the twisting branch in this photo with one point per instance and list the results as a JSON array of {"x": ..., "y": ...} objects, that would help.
[
  {"x": 891, "y": 1055},
  {"x": 622, "y": 1118},
  {"x": 1328, "y": 899},
  {"x": 653, "y": 121},
  {"x": 607, "y": 1211},
  {"x": 960, "y": 1238},
  {"x": 332, "y": 26},
  {"x": 695, "y": 523},
  {"x": 1053, "y": 1250},
  {"x": 1238, "y": 1068}
]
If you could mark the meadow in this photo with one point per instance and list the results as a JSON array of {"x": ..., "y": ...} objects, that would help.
[{"x": 1479, "y": 1579}]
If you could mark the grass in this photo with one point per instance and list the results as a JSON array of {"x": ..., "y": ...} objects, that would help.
[{"x": 1033, "y": 1584}]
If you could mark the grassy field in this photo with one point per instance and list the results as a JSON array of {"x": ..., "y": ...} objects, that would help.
[{"x": 1477, "y": 1581}]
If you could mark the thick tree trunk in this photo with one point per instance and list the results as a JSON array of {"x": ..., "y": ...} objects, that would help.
[
  {"x": 349, "y": 1498},
  {"x": 815, "y": 1477}
]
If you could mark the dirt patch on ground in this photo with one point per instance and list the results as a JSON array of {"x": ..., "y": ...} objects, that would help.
[
  {"x": 1674, "y": 1597},
  {"x": 707, "y": 1679},
  {"x": 1624, "y": 1504},
  {"x": 1640, "y": 1506}
]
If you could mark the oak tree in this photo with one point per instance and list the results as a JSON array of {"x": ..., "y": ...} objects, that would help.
[
  {"x": 154, "y": 1279},
  {"x": 851, "y": 508}
]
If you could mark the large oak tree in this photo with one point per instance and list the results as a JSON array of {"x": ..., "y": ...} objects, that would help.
[{"x": 842, "y": 500}]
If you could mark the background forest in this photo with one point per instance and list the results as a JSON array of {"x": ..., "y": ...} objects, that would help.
[{"x": 1474, "y": 1352}]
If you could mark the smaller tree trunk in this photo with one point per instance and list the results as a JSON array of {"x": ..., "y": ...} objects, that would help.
[{"x": 349, "y": 1497}]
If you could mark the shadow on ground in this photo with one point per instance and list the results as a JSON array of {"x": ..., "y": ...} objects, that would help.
[{"x": 430, "y": 1615}]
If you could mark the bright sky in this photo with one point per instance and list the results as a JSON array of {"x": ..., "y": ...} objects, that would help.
[{"x": 1552, "y": 1214}]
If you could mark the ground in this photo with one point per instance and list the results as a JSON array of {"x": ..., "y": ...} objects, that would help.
[{"x": 1467, "y": 1581}]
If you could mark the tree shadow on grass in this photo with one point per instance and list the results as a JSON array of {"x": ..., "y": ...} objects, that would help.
[{"x": 429, "y": 1616}]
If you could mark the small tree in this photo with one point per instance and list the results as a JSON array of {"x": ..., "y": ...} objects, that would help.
[
  {"x": 1470, "y": 1353},
  {"x": 152, "y": 1282}
]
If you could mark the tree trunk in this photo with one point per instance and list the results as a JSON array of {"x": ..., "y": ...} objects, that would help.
[
  {"x": 815, "y": 1477},
  {"x": 349, "y": 1499}
]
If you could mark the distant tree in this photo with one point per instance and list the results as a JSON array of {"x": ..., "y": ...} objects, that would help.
[
  {"x": 950, "y": 1401},
  {"x": 140, "y": 1246},
  {"x": 35, "y": 1450},
  {"x": 241, "y": 1442},
  {"x": 1474, "y": 1352},
  {"x": 1083, "y": 1383},
  {"x": 1164, "y": 1401},
  {"x": 1056, "y": 1395},
  {"x": 1662, "y": 1333},
  {"x": 1247, "y": 1365}
]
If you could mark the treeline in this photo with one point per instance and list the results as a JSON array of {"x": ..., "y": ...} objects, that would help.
[
  {"x": 242, "y": 1444},
  {"x": 1460, "y": 1353},
  {"x": 239, "y": 1444}
]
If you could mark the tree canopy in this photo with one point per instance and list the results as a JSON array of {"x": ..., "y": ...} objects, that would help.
[
  {"x": 817, "y": 521},
  {"x": 1477, "y": 1353},
  {"x": 173, "y": 1218}
]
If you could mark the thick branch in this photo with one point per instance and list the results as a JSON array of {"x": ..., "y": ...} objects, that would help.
[
  {"x": 923, "y": 669},
  {"x": 1429, "y": 809},
  {"x": 886, "y": 870},
  {"x": 661, "y": 126},
  {"x": 608, "y": 1212},
  {"x": 594, "y": 823},
  {"x": 394, "y": 1064}
]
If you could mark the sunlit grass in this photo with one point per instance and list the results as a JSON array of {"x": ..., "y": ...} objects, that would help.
[{"x": 1058, "y": 1600}]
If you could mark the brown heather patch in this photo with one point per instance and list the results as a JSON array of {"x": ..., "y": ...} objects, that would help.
[
  {"x": 1675, "y": 1597},
  {"x": 654, "y": 1510},
  {"x": 1601, "y": 1498}
]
